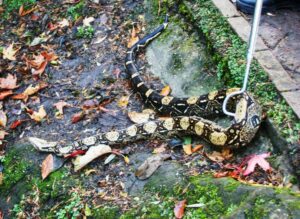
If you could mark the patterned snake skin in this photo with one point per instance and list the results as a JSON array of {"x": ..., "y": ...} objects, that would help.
[{"x": 187, "y": 114}]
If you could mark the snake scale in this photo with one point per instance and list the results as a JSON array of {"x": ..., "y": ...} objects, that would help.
[{"x": 188, "y": 115}]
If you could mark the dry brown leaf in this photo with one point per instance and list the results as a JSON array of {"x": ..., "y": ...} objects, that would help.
[
  {"x": 166, "y": 91},
  {"x": 187, "y": 148},
  {"x": 123, "y": 102},
  {"x": 179, "y": 209},
  {"x": 3, "y": 119},
  {"x": 9, "y": 52},
  {"x": 47, "y": 166},
  {"x": 216, "y": 156},
  {"x": 150, "y": 165},
  {"x": 138, "y": 118},
  {"x": 60, "y": 106},
  {"x": 39, "y": 70},
  {"x": 63, "y": 23},
  {"x": 197, "y": 148},
  {"x": 23, "y": 12},
  {"x": 4, "y": 94},
  {"x": 92, "y": 153},
  {"x": 134, "y": 38},
  {"x": 10, "y": 82},
  {"x": 49, "y": 56},
  {"x": 2, "y": 134},
  {"x": 40, "y": 115},
  {"x": 77, "y": 117}
]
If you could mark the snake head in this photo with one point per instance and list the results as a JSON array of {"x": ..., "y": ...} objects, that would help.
[{"x": 43, "y": 145}]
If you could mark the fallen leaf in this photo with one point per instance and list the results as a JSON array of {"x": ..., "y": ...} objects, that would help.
[
  {"x": 87, "y": 21},
  {"x": 9, "y": 52},
  {"x": 2, "y": 134},
  {"x": 150, "y": 165},
  {"x": 133, "y": 38},
  {"x": 39, "y": 70},
  {"x": 49, "y": 56},
  {"x": 221, "y": 174},
  {"x": 257, "y": 159},
  {"x": 92, "y": 153},
  {"x": 60, "y": 106},
  {"x": 77, "y": 117},
  {"x": 109, "y": 158},
  {"x": 63, "y": 23},
  {"x": 197, "y": 148},
  {"x": 50, "y": 164},
  {"x": 215, "y": 156},
  {"x": 87, "y": 211},
  {"x": 47, "y": 166},
  {"x": 166, "y": 91},
  {"x": 40, "y": 144},
  {"x": 226, "y": 153},
  {"x": 4, "y": 94},
  {"x": 75, "y": 153},
  {"x": 187, "y": 148},
  {"x": 126, "y": 159},
  {"x": 123, "y": 102},
  {"x": 16, "y": 123},
  {"x": 179, "y": 209},
  {"x": 138, "y": 118},
  {"x": 40, "y": 115},
  {"x": 23, "y": 12},
  {"x": 10, "y": 82},
  {"x": 160, "y": 149},
  {"x": 3, "y": 119}
]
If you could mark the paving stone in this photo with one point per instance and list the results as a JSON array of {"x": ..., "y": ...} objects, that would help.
[
  {"x": 276, "y": 72},
  {"x": 242, "y": 28},
  {"x": 288, "y": 51},
  {"x": 270, "y": 34},
  {"x": 227, "y": 8},
  {"x": 293, "y": 99}
]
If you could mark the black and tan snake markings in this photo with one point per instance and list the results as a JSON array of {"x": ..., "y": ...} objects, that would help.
[{"x": 187, "y": 114}]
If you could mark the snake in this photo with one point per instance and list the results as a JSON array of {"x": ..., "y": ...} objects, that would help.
[{"x": 188, "y": 115}]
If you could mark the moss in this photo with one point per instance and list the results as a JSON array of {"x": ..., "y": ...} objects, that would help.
[
  {"x": 231, "y": 185},
  {"x": 106, "y": 212},
  {"x": 16, "y": 168}
]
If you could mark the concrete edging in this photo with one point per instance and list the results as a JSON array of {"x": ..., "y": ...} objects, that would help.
[{"x": 285, "y": 85}]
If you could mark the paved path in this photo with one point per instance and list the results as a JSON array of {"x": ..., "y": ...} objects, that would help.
[{"x": 278, "y": 47}]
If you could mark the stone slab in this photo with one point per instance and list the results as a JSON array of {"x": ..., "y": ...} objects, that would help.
[
  {"x": 293, "y": 99},
  {"x": 276, "y": 72},
  {"x": 243, "y": 28},
  {"x": 226, "y": 8}
]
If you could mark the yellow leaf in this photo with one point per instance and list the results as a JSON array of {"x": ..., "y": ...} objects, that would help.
[
  {"x": 3, "y": 118},
  {"x": 123, "y": 102},
  {"x": 187, "y": 149},
  {"x": 166, "y": 91},
  {"x": 9, "y": 52},
  {"x": 40, "y": 115},
  {"x": 126, "y": 159}
]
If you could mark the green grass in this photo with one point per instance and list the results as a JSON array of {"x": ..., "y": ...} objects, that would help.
[{"x": 14, "y": 5}]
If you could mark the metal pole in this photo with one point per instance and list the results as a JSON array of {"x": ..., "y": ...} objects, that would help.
[{"x": 251, "y": 49}]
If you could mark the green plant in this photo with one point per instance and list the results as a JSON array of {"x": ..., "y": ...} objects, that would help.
[
  {"x": 75, "y": 11},
  {"x": 85, "y": 32},
  {"x": 72, "y": 209},
  {"x": 14, "y": 5}
]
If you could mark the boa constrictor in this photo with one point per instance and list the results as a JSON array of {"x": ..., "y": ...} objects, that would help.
[{"x": 187, "y": 115}]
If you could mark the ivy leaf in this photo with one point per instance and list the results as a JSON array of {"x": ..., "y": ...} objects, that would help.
[{"x": 257, "y": 160}]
